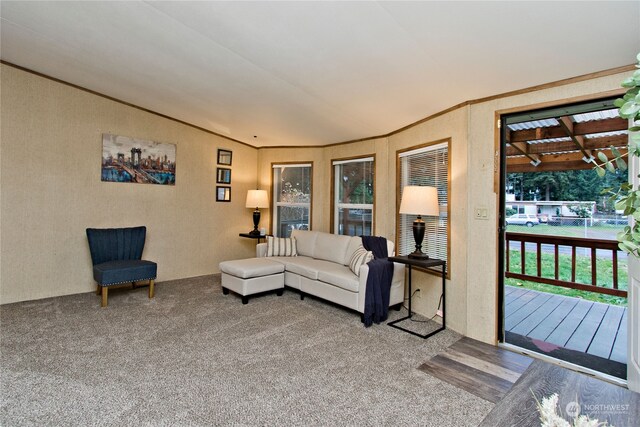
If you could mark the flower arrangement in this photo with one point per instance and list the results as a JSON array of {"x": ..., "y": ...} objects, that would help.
[{"x": 549, "y": 416}]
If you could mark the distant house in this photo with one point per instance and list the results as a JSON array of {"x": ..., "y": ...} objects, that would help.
[{"x": 548, "y": 209}]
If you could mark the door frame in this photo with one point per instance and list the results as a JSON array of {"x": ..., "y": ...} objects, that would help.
[
  {"x": 499, "y": 180},
  {"x": 633, "y": 301}
]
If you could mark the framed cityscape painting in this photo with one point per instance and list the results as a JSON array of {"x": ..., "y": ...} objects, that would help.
[{"x": 127, "y": 159}]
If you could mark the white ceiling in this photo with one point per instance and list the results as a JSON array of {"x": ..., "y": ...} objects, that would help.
[{"x": 314, "y": 73}]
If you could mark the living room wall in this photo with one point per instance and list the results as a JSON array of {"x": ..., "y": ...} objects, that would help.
[
  {"x": 266, "y": 158},
  {"x": 451, "y": 125},
  {"x": 481, "y": 239},
  {"x": 51, "y": 190},
  {"x": 472, "y": 288}
]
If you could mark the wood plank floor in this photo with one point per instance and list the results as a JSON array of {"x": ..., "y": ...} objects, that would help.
[
  {"x": 596, "y": 399},
  {"x": 484, "y": 370},
  {"x": 590, "y": 327}
]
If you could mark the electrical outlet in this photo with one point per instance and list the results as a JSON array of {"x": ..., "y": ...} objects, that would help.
[
  {"x": 439, "y": 313},
  {"x": 417, "y": 293}
]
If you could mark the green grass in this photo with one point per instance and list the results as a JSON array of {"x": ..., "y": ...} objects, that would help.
[
  {"x": 604, "y": 274},
  {"x": 595, "y": 232}
]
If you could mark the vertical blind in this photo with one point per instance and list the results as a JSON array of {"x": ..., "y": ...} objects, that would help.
[{"x": 427, "y": 166}]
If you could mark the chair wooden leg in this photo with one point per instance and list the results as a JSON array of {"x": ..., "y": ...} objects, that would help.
[
  {"x": 98, "y": 289},
  {"x": 105, "y": 295},
  {"x": 152, "y": 288}
]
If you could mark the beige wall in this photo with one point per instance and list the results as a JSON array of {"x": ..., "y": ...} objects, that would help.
[
  {"x": 377, "y": 147},
  {"x": 51, "y": 191},
  {"x": 472, "y": 288},
  {"x": 451, "y": 126},
  {"x": 482, "y": 240},
  {"x": 266, "y": 158},
  {"x": 51, "y": 145}
]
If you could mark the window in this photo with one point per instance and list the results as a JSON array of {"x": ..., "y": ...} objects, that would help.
[
  {"x": 291, "y": 198},
  {"x": 353, "y": 196},
  {"x": 427, "y": 165}
]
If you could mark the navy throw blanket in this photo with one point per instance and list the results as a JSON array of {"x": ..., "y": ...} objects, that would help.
[{"x": 376, "y": 296}]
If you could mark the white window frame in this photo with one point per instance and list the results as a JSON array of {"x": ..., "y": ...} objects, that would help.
[
  {"x": 437, "y": 237},
  {"x": 276, "y": 203},
  {"x": 336, "y": 191}
]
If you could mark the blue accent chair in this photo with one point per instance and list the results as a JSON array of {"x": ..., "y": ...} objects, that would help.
[{"x": 116, "y": 254}]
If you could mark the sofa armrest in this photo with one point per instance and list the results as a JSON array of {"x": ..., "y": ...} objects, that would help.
[
  {"x": 261, "y": 250},
  {"x": 398, "y": 275},
  {"x": 396, "y": 280}
]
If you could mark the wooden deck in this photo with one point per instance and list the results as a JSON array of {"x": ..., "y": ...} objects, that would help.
[{"x": 589, "y": 327}]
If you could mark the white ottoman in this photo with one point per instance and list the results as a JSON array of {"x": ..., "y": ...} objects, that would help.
[{"x": 251, "y": 276}]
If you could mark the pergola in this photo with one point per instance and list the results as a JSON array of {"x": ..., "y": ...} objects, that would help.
[{"x": 565, "y": 142}]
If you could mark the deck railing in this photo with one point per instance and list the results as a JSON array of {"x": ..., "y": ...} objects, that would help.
[{"x": 559, "y": 241}]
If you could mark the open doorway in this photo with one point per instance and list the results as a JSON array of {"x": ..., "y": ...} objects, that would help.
[{"x": 564, "y": 281}]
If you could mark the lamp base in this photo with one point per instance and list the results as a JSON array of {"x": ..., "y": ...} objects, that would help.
[
  {"x": 256, "y": 221},
  {"x": 418, "y": 235},
  {"x": 418, "y": 255}
]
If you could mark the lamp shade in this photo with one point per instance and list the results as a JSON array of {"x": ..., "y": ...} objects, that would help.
[
  {"x": 257, "y": 199},
  {"x": 418, "y": 200}
]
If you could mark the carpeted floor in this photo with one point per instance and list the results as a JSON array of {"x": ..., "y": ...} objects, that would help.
[{"x": 193, "y": 356}]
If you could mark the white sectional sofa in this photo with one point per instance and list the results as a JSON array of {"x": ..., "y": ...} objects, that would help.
[{"x": 321, "y": 268}]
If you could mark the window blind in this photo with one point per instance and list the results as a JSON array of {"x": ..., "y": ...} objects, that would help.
[
  {"x": 360, "y": 160},
  {"x": 292, "y": 192},
  {"x": 291, "y": 165},
  {"x": 353, "y": 196},
  {"x": 426, "y": 166}
]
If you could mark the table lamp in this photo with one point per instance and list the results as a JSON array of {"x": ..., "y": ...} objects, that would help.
[
  {"x": 257, "y": 199},
  {"x": 418, "y": 200}
]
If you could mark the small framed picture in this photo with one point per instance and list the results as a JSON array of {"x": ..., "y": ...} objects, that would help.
[
  {"x": 224, "y": 157},
  {"x": 223, "y": 194},
  {"x": 223, "y": 176}
]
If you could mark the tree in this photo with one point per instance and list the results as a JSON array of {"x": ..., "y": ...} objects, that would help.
[
  {"x": 626, "y": 196},
  {"x": 573, "y": 185}
]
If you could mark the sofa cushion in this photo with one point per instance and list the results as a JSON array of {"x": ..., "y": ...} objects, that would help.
[
  {"x": 354, "y": 243},
  {"x": 331, "y": 247},
  {"x": 360, "y": 257},
  {"x": 340, "y": 276},
  {"x": 305, "y": 241},
  {"x": 280, "y": 246},
  {"x": 304, "y": 266},
  {"x": 251, "y": 267}
]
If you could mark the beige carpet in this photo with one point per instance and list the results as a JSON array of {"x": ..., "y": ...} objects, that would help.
[{"x": 193, "y": 356}]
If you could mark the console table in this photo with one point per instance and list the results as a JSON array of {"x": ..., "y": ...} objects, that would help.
[
  {"x": 426, "y": 264},
  {"x": 254, "y": 236}
]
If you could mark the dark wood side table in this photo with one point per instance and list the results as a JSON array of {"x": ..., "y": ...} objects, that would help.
[
  {"x": 254, "y": 236},
  {"x": 426, "y": 264}
]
